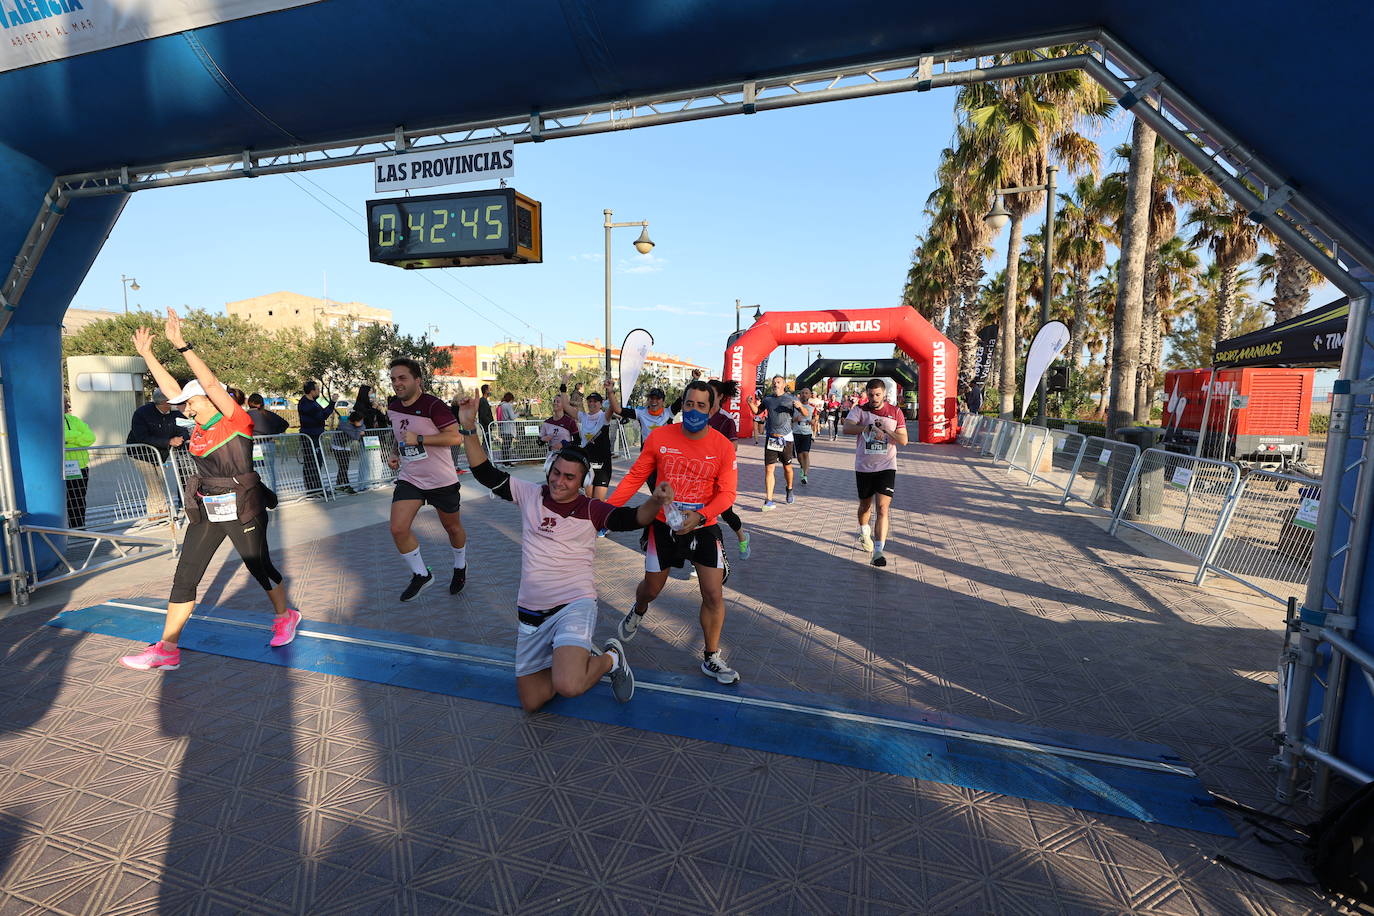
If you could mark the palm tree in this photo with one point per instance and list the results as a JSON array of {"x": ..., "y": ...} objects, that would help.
[
  {"x": 1080, "y": 243},
  {"x": 1098, "y": 336},
  {"x": 930, "y": 282},
  {"x": 1293, "y": 278},
  {"x": 1013, "y": 129},
  {"x": 1194, "y": 338},
  {"x": 1224, "y": 226},
  {"x": 958, "y": 205},
  {"x": 1174, "y": 278}
]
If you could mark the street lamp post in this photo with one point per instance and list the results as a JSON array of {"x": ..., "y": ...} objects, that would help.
[
  {"x": 126, "y": 284},
  {"x": 758, "y": 313},
  {"x": 643, "y": 245},
  {"x": 997, "y": 218}
]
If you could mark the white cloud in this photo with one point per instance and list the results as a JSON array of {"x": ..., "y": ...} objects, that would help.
[
  {"x": 585, "y": 256},
  {"x": 643, "y": 264}
]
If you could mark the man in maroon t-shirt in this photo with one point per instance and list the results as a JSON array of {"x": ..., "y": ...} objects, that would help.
[
  {"x": 425, "y": 431},
  {"x": 879, "y": 428}
]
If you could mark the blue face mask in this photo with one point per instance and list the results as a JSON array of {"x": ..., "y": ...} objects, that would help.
[{"x": 694, "y": 421}]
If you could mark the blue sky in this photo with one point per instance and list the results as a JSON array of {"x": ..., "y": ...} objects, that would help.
[{"x": 812, "y": 207}]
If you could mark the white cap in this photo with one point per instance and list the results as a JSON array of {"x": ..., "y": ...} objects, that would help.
[{"x": 190, "y": 390}]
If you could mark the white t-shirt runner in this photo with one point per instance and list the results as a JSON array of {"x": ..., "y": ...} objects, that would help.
[
  {"x": 428, "y": 467},
  {"x": 557, "y": 546},
  {"x": 648, "y": 421}
]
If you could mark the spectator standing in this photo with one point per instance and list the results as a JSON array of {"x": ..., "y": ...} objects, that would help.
[
  {"x": 313, "y": 411},
  {"x": 345, "y": 444},
  {"x": 505, "y": 417},
  {"x": 76, "y": 471},
  {"x": 266, "y": 423},
  {"x": 373, "y": 418},
  {"x": 157, "y": 425},
  {"x": 484, "y": 415}
]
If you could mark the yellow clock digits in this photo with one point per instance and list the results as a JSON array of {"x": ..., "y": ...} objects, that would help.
[
  {"x": 500, "y": 227},
  {"x": 463, "y": 218},
  {"x": 386, "y": 230},
  {"x": 411, "y": 219},
  {"x": 436, "y": 237}
]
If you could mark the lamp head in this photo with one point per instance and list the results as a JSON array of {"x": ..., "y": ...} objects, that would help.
[
  {"x": 998, "y": 217},
  {"x": 758, "y": 313},
  {"x": 133, "y": 285},
  {"x": 644, "y": 244}
]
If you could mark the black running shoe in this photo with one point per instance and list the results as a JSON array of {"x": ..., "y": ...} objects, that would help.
[
  {"x": 460, "y": 578},
  {"x": 418, "y": 583}
]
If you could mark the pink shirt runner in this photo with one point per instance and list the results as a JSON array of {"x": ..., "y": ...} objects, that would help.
[
  {"x": 428, "y": 467},
  {"x": 557, "y": 546},
  {"x": 872, "y": 454}
]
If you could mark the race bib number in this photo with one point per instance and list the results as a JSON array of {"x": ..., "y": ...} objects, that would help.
[
  {"x": 775, "y": 443},
  {"x": 411, "y": 453},
  {"x": 71, "y": 469},
  {"x": 874, "y": 445},
  {"x": 223, "y": 508}
]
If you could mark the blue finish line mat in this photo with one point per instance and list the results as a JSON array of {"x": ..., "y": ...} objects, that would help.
[{"x": 1147, "y": 782}]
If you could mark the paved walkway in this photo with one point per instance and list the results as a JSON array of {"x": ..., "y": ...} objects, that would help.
[{"x": 229, "y": 786}]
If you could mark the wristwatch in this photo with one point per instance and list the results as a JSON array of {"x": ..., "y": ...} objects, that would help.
[
  {"x": 185, "y": 348},
  {"x": 466, "y": 432},
  {"x": 420, "y": 440}
]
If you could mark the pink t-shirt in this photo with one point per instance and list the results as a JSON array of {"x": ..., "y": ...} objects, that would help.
[
  {"x": 426, "y": 466},
  {"x": 557, "y": 546},
  {"x": 871, "y": 454}
]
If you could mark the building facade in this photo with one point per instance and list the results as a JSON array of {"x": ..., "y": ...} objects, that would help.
[
  {"x": 579, "y": 354},
  {"x": 283, "y": 310}
]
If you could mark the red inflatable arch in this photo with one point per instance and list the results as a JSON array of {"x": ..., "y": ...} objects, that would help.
[{"x": 933, "y": 352}]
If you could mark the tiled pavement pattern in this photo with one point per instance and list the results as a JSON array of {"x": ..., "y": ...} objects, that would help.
[{"x": 233, "y": 787}]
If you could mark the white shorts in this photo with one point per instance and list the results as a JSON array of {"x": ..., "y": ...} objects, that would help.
[{"x": 572, "y": 626}]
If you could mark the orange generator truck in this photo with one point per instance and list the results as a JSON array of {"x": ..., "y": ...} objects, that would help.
[{"x": 1259, "y": 417}]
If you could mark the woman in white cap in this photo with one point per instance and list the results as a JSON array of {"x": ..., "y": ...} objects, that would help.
[{"x": 223, "y": 497}]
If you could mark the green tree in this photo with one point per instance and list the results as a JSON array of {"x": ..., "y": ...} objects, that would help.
[
  {"x": 241, "y": 353},
  {"x": 1194, "y": 337},
  {"x": 341, "y": 360},
  {"x": 1014, "y": 129},
  {"x": 531, "y": 375}
]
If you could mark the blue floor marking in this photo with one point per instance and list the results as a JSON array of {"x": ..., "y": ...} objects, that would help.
[{"x": 1147, "y": 782}]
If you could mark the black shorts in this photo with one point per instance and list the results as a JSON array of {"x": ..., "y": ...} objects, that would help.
[
  {"x": 445, "y": 499},
  {"x": 665, "y": 550},
  {"x": 601, "y": 473},
  {"x": 801, "y": 443},
  {"x": 772, "y": 457},
  {"x": 876, "y": 483}
]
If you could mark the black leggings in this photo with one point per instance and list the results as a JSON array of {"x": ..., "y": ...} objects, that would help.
[
  {"x": 732, "y": 519},
  {"x": 203, "y": 539}
]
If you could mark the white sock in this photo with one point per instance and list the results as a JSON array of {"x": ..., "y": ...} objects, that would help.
[
  {"x": 415, "y": 562},
  {"x": 878, "y": 547},
  {"x": 615, "y": 659},
  {"x": 865, "y": 530},
  {"x": 460, "y": 557}
]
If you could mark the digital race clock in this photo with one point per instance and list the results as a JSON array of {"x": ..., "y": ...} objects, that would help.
[{"x": 501, "y": 226}]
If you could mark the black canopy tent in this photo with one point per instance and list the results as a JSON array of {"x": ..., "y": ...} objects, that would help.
[{"x": 1314, "y": 338}]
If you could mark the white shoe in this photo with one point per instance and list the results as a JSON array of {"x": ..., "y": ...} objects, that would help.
[{"x": 866, "y": 541}]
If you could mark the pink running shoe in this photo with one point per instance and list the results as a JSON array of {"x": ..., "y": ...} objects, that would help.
[
  {"x": 284, "y": 628},
  {"x": 155, "y": 656}
]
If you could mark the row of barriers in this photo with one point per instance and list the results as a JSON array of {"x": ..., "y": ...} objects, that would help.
[{"x": 1255, "y": 527}]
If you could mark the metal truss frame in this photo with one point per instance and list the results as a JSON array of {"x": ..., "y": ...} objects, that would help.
[
  {"x": 128, "y": 549},
  {"x": 1333, "y": 250}
]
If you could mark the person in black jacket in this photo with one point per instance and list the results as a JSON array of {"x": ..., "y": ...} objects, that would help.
[
  {"x": 313, "y": 416},
  {"x": 155, "y": 424},
  {"x": 373, "y": 418},
  {"x": 266, "y": 423}
]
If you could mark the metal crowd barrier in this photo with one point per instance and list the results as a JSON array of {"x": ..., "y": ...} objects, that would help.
[
  {"x": 1062, "y": 453},
  {"x": 288, "y": 463},
  {"x": 625, "y": 440},
  {"x": 988, "y": 440},
  {"x": 120, "y": 487},
  {"x": 360, "y": 464},
  {"x": 512, "y": 441},
  {"x": 1101, "y": 474},
  {"x": 1028, "y": 450},
  {"x": 1266, "y": 539},
  {"x": 1180, "y": 500},
  {"x": 969, "y": 424}
]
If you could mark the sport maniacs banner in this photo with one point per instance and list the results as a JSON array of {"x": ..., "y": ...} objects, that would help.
[
  {"x": 40, "y": 31},
  {"x": 1315, "y": 338}
]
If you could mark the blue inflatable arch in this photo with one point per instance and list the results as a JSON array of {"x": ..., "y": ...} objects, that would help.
[{"x": 1253, "y": 92}]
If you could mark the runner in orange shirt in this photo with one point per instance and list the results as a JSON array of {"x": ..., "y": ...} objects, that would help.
[{"x": 699, "y": 464}]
